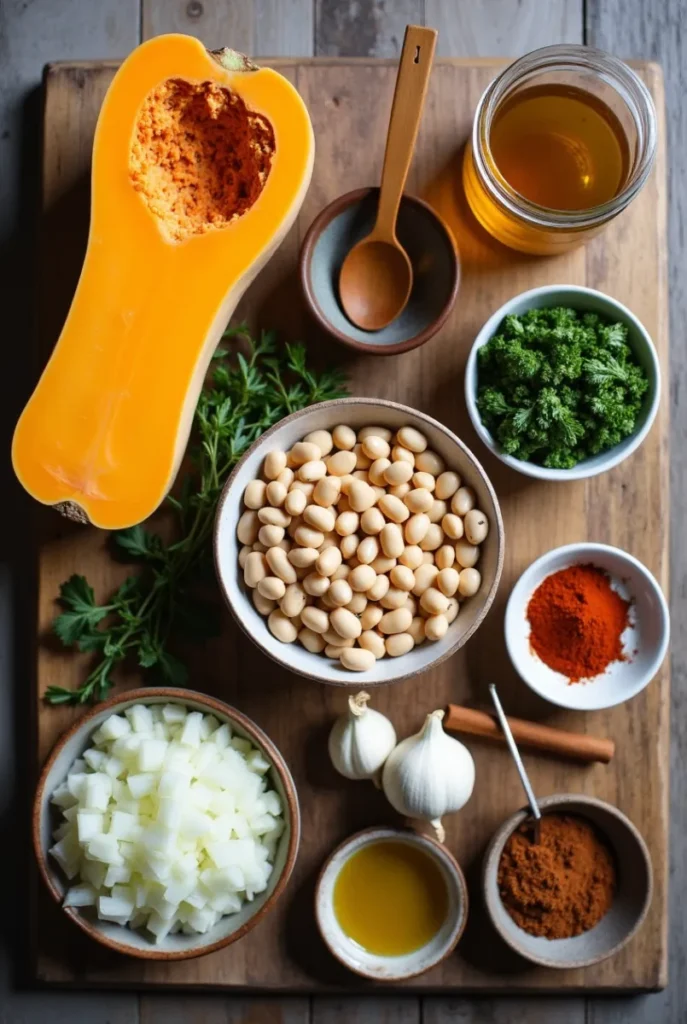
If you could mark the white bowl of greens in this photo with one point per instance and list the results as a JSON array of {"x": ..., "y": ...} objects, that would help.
[{"x": 577, "y": 398}]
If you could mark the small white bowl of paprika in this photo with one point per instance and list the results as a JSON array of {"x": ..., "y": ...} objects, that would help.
[{"x": 587, "y": 626}]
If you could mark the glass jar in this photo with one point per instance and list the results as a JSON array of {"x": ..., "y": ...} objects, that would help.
[{"x": 508, "y": 215}]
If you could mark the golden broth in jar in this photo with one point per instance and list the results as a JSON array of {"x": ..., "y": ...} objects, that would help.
[{"x": 391, "y": 898}]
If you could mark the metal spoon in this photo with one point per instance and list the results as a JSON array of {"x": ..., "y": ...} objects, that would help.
[
  {"x": 526, "y": 785},
  {"x": 377, "y": 277}
]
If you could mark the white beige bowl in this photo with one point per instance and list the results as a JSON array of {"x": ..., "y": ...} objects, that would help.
[
  {"x": 357, "y": 412},
  {"x": 129, "y": 941},
  {"x": 587, "y": 300},
  {"x": 391, "y": 968}
]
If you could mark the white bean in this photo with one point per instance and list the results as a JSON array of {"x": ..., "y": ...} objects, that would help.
[
  {"x": 425, "y": 576},
  {"x": 295, "y": 503},
  {"x": 437, "y": 511},
  {"x": 302, "y": 558},
  {"x": 293, "y": 601},
  {"x": 429, "y": 462},
  {"x": 453, "y": 609},
  {"x": 419, "y": 499},
  {"x": 345, "y": 623},
  {"x": 334, "y": 651},
  {"x": 362, "y": 578},
  {"x": 282, "y": 627},
  {"x": 272, "y": 516},
  {"x": 362, "y": 461},
  {"x": 322, "y": 438},
  {"x": 302, "y": 485},
  {"x": 349, "y": 545},
  {"x": 341, "y": 463},
  {"x": 358, "y": 603},
  {"x": 286, "y": 477},
  {"x": 379, "y": 588},
  {"x": 316, "y": 585},
  {"x": 312, "y": 641},
  {"x": 370, "y": 616},
  {"x": 342, "y": 573},
  {"x": 401, "y": 454},
  {"x": 322, "y": 519},
  {"x": 374, "y": 431},
  {"x": 391, "y": 539},
  {"x": 394, "y": 598},
  {"x": 403, "y": 578},
  {"x": 447, "y": 485},
  {"x": 308, "y": 537},
  {"x": 447, "y": 581},
  {"x": 278, "y": 561},
  {"x": 445, "y": 556},
  {"x": 248, "y": 527},
  {"x": 315, "y": 619},
  {"x": 463, "y": 501},
  {"x": 393, "y": 508},
  {"x": 396, "y": 621},
  {"x": 312, "y": 471},
  {"x": 328, "y": 561},
  {"x": 424, "y": 481},
  {"x": 243, "y": 555},
  {"x": 276, "y": 493},
  {"x": 411, "y": 439},
  {"x": 347, "y": 523},
  {"x": 255, "y": 570},
  {"x": 382, "y": 565},
  {"x": 376, "y": 473},
  {"x": 416, "y": 528},
  {"x": 375, "y": 447},
  {"x": 400, "y": 643},
  {"x": 254, "y": 494},
  {"x": 340, "y": 593},
  {"x": 303, "y": 452},
  {"x": 263, "y": 604},
  {"x": 398, "y": 473},
  {"x": 434, "y": 602},
  {"x": 436, "y": 626},
  {"x": 469, "y": 582},
  {"x": 361, "y": 496},
  {"x": 411, "y": 556},
  {"x": 369, "y": 640},
  {"x": 274, "y": 463},
  {"x": 433, "y": 539},
  {"x": 332, "y": 637},
  {"x": 367, "y": 550},
  {"x": 417, "y": 629},
  {"x": 357, "y": 659},
  {"x": 452, "y": 525},
  {"x": 343, "y": 437},
  {"x": 476, "y": 526},
  {"x": 272, "y": 588},
  {"x": 270, "y": 536},
  {"x": 372, "y": 521},
  {"x": 327, "y": 491},
  {"x": 467, "y": 554}
]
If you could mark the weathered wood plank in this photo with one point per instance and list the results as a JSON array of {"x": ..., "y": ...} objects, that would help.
[
  {"x": 517, "y": 1010},
  {"x": 361, "y": 28},
  {"x": 655, "y": 30},
  {"x": 502, "y": 28},
  {"x": 215, "y": 22},
  {"x": 382, "y": 1010},
  {"x": 204, "y": 1009},
  {"x": 284, "y": 28}
]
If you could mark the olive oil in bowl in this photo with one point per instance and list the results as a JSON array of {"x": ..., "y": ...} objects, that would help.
[{"x": 391, "y": 898}]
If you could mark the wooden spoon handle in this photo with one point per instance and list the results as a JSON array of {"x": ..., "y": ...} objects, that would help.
[
  {"x": 576, "y": 746},
  {"x": 406, "y": 110}
]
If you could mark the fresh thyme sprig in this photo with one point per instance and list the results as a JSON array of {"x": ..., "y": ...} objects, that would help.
[{"x": 243, "y": 397}]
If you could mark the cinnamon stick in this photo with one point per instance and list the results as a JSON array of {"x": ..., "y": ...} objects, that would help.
[{"x": 534, "y": 735}]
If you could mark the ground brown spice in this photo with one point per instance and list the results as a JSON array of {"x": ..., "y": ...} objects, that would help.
[
  {"x": 561, "y": 887},
  {"x": 199, "y": 157}
]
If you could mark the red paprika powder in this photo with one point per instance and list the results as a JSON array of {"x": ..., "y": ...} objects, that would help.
[{"x": 577, "y": 621}]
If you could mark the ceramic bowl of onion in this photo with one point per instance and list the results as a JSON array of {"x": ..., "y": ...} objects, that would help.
[
  {"x": 358, "y": 540},
  {"x": 391, "y": 904},
  {"x": 165, "y": 823},
  {"x": 578, "y": 895},
  {"x": 587, "y": 626}
]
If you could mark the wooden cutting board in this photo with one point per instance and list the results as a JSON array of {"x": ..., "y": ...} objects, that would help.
[{"x": 349, "y": 102}]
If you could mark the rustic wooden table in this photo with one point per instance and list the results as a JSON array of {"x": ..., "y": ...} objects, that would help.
[{"x": 32, "y": 33}]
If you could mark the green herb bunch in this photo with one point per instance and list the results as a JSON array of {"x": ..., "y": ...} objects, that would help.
[
  {"x": 242, "y": 398},
  {"x": 556, "y": 386}
]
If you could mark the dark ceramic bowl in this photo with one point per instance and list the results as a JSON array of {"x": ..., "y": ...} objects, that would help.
[
  {"x": 432, "y": 252},
  {"x": 630, "y": 904}
]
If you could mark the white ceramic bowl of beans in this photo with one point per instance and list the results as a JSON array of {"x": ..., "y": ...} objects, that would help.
[{"x": 356, "y": 414}]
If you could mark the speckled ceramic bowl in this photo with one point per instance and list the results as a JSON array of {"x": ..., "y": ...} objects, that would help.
[
  {"x": 133, "y": 942},
  {"x": 391, "y": 968},
  {"x": 629, "y": 907},
  {"x": 432, "y": 252}
]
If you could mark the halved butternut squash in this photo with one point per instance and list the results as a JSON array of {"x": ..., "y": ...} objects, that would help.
[{"x": 200, "y": 164}]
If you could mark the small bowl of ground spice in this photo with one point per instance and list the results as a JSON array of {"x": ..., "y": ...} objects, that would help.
[
  {"x": 576, "y": 897},
  {"x": 587, "y": 626}
]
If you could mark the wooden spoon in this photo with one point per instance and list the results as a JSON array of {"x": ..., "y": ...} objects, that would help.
[{"x": 376, "y": 277}]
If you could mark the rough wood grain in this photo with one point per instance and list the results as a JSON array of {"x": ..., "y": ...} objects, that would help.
[
  {"x": 366, "y": 1011},
  {"x": 158, "y": 1009},
  {"x": 296, "y": 713},
  {"x": 360, "y": 28},
  {"x": 655, "y": 30},
  {"x": 516, "y": 1010},
  {"x": 502, "y": 28}
]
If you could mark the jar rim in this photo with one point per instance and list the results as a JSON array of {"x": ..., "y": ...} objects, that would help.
[{"x": 570, "y": 57}]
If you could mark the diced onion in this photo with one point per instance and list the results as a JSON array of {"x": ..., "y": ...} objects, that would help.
[{"x": 167, "y": 822}]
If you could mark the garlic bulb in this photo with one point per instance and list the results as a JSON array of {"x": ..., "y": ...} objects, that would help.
[
  {"x": 361, "y": 740},
  {"x": 429, "y": 775}
]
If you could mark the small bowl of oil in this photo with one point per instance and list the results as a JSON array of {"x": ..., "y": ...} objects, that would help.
[{"x": 391, "y": 904}]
